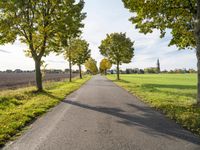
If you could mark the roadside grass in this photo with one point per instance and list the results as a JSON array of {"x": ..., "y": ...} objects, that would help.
[
  {"x": 173, "y": 94},
  {"x": 20, "y": 107}
]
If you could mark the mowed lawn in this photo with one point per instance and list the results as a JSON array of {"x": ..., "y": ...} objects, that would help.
[
  {"x": 19, "y": 107},
  {"x": 173, "y": 94}
]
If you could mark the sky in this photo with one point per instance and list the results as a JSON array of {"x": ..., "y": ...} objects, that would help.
[{"x": 104, "y": 17}]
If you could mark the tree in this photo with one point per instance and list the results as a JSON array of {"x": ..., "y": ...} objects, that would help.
[
  {"x": 105, "y": 64},
  {"x": 70, "y": 28},
  {"x": 118, "y": 48},
  {"x": 182, "y": 17},
  {"x": 91, "y": 66},
  {"x": 37, "y": 23},
  {"x": 68, "y": 56},
  {"x": 151, "y": 70},
  {"x": 80, "y": 53}
]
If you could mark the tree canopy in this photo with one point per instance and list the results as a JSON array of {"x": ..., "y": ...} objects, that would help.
[
  {"x": 80, "y": 53},
  {"x": 105, "y": 64},
  {"x": 181, "y": 17},
  {"x": 39, "y": 24},
  {"x": 118, "y": 49},
  {"x": 91, "y": 66}
]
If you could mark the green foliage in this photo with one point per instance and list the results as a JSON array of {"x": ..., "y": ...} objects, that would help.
[
  {"x": 41, "y": 24},
  {"x": 177, "y": 15},
  {"x": 70, "y": 26},
  {"x": 21, "y": 106},
  {"x": 77, "y": 52},
  {"x": 91, "y": 65},
  {"x": 182, "y": 17},
  {"x": 118, "y": 48},
  {"x": 150, "y": 70},
  {"x": 80, "y": 51},
  {"x": 38, "y": 23},
  {"x": 105, "y": 64},
  {"x": 173, "y": 94}
]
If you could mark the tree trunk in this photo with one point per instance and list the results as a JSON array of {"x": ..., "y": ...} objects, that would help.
[
  {"x": 105, "y": 72},
  {"x": 198, "y": 50},
  {"x": 38, "y": 75},
  {"x": 198, "y": 79},
  {"x": 70, "y": 70},
  {"x": 118, "y": 71},
  {"x": 80, "y": 71}
]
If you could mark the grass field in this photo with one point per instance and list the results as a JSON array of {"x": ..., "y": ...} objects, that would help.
[
  {"x": 20, "y": 107},
  {"x": 173, "y": 94}
]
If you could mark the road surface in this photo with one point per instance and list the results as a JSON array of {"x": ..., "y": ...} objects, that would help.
[{"x": 103, "y": 116}]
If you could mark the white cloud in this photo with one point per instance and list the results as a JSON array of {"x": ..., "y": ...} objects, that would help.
[{"x": 107, "y": 16}]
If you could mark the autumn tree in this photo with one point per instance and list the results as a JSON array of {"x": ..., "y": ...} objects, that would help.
[
  {"x": 181, "y": 17},
  {"x": 80, "y": 53},
  {"x": 118, "y": 49},
  {"x": 105, "y": 64},
  {"x": 37, "y": 23},
  {"x": 91, "y": 66}
]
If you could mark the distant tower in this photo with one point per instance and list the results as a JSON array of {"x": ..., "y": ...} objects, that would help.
[{"x": 158, "y": 66}]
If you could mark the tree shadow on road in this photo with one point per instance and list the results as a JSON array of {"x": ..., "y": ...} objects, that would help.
[{"x": 147, "y": 120}]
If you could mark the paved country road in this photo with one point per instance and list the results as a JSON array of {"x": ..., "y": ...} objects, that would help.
[{"x": 103, "y": 116}]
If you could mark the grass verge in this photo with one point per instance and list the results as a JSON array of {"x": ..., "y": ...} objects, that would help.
[
  {"x": 173, "y": 94},
  {"x": 20, "y": 107}
]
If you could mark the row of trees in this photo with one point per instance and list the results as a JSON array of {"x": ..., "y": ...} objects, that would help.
[
  {"x": 45, "y": 26},
  {"x": 180, "y": 71},
  {"x": 154, "y": 70},
  {"x": 77, "y": 53}
]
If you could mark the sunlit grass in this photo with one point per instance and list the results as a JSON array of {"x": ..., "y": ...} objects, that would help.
[
  {"x": 21, "y": 106},
  {"x": 173, "y": 94}
]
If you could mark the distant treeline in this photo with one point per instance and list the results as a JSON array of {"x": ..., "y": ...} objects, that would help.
[
  {"x": 152, "y": 71},
  {"x": 47, "y": 71}
]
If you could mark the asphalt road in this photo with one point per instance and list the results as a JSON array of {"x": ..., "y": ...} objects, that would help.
[{"x": 103, "y": 116}]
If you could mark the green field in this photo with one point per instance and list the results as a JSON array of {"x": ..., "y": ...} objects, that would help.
[
  {"x": 21, "y": 106},
  {"x": 173, "y": 94}
]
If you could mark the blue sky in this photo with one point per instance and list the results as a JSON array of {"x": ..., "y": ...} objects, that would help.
[{"x": 107, "y": 16}]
